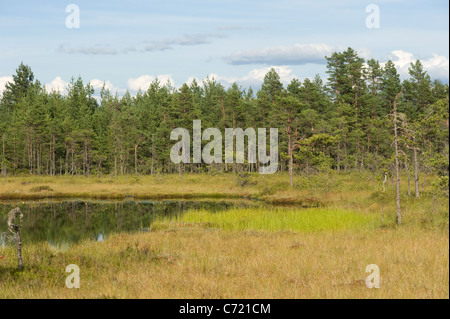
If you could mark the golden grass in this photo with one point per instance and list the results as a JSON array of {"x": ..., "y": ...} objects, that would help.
[
  {"x": 349, "y": 188},
  {"x": 142, "y": 187},
  {"x": 219, "y": 256},
  {"x": 196, "y": 262}
]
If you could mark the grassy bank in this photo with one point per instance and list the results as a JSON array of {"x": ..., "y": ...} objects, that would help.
[
  {"x": 260, "y": 252},
  {"x": 358, "y": 191},
  {"x": 143, "y": 187},
  {"x": 349, "y": 188}
]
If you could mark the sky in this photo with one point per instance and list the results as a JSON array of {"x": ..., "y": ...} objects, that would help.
[{"x": 127, "y": 44}]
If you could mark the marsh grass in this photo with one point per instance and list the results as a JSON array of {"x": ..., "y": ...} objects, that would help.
[
  {"x": 282, "y": 219},
  {"x": 129, "y": 186},
  {"x": 191, "y": 261},
  {"x": 261, "y": 252}
]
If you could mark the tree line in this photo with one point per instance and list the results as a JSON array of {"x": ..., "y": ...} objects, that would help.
[{"x": 344, "y": 124}]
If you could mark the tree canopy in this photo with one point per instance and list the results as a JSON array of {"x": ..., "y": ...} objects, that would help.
[{"x": 345, "y": 123}]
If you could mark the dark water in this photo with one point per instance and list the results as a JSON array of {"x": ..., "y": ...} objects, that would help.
[{"x": 65, "y": 223}]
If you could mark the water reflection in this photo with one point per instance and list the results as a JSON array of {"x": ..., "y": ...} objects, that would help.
[{"x": 63, "y": 223}]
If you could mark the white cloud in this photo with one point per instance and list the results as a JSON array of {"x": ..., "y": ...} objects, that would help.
[
  {"x": 58, "y": 85},
  {"x": 191, "y": 79},
  {"x": 3, "y": 81},
  {"x": 402, "y": 59},
  {"x": 437, "y": 66},
  {"x": 166, "y": 79},
  {"x": 98, "y": 85},
  {"x": 143, "y": 82},
  {"x": 140, "y": 83},
  {"x": 284, "y": 55},
  {"x": 257, "y": 75},
  {"x": 364, "y": 53},
  {"x": 253, "y": 78}
]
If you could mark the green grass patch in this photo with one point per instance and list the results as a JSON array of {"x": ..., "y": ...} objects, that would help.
[{"x": 281, "y": 219}]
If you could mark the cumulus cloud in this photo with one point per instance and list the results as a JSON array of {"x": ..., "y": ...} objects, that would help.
[
  {"x": 98, "y": 85},
  {"x": 166, "y": 79},
  {"x": 402, "y": 59},
  {"x": 257, "y": 75},
  {"x": 3, "y": 81},
  {"x": 191, "y": 79},
  {"x": 364, "y": 53},
  {"x": 143, "y": 82},
  {"x": 58, "y": 85},
  {"x": 437, "y": 66},
  {"x": 283, "y": 55},
  {"x": 140, "y": 83},
  {"x": 253, "y": 78}
]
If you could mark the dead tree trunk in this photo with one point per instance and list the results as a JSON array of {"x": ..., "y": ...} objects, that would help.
[
  {"x": 416, "y": 169},
  {"x": 66, "y": 162},
  {"x": 152, "y": 171},
  {"x": 136, "y": 158},
  {"x": 115, "y": 160},
  {"x": 15, "y": 230},
  {"x": 382, "y": 198},
  {"x": 408, "y": 171},
  {"x": 291, "y": 157}
]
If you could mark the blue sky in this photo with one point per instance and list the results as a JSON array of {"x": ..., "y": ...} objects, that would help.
[{"x": 128, "y": 43}]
